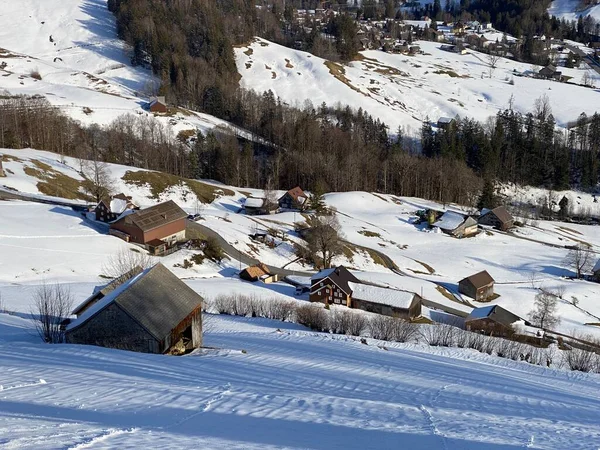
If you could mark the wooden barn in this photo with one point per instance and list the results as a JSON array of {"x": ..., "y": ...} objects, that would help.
[
  {"x": 160, "y": 226},
  {"x": 498, "y": 218},
  {"x": 479, "y": 286},
  {"x": 493, "y": 319},
  {"x": 158, "y": 105},
  {"x": 331, "y": 286},
  {"x": 457, "y": 225},
  {"x": 152, "y": 311},
  {"x": 385, "y": 301},
  {"x": 293, "y": 199}
]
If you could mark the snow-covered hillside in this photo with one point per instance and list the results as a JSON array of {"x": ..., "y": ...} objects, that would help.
[
  {"x": 572, "y": 9},
  {"x": 405, "y": 90},
  {"x": 84, "y": 68}
]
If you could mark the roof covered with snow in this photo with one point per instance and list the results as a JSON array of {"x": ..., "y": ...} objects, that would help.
[
  {"x": 254, "y": 202},
  {"x": 450, "y": 221},
  {"x": 382, "y": 296}
]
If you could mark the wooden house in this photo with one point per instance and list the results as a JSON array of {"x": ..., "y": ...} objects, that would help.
[
  {"x": 493, "y": 319},
  {"x": 550, "y": 73},
  {"x": 331, "y": 286},
  {"x": 498, "y": 218},
  {"x": 158, "y": 105},
  {"x": 479, "y": 287},
  {"x": 444, "y": 123},
  {"x": 293, "y": 199},
  {"x": 457, "y": 225},
  {"x": 255, "y": 273},
  {"x": 152, "y": 311},
  {"x": 109, "y": 210},
  {"x": 385, "y": 301},
  {"x": 164, "y": 222}
]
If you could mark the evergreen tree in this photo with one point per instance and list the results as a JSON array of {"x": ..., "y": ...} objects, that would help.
[{"x": 487, "y": 198}]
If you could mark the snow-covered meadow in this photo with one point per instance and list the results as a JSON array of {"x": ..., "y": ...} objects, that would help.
[
  {"x": 272, "y": 385},
  {"x": 404, "y": 90}
]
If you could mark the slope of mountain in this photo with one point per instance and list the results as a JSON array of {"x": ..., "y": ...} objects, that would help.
[
  {"x": 572, "y": 9},
  {"x": 405, "y": 90},
  {"x": 68, "y": 51},
  {"x": 288, "y": 389}
]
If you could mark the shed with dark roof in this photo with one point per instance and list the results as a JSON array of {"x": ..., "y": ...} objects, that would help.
[
  {"x": 152, "y": 311},
  {"x": 498, "y": 218},
  {"x": 165, "y": 221},
  {"x": 493, "y": 319},
  {"x": 479, "y": 286}
]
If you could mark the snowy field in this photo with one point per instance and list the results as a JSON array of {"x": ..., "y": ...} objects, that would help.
[
  {"x": 405, "y": 90},
  {"x": 572, "y": 9},
  {"x": 272, "y": 385}
]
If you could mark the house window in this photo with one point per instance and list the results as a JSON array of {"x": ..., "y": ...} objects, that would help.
[
  {"x": 327, "y": 291},
  {"x": 320, "y": 293},
  {"x": 321, "y": 284},
  {"x": 338, "y": 301}
]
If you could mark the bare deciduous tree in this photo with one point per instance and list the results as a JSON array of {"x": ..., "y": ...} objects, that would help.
[
  {"x": 98, "y": 180},
  {"x": 51, "y": 305},
  {"x": 544, "y": 314},
  {"x": 324, "y": 238},
  {"x": 125, "y": 261},
  {"x": 492, "y": 61},
  {"x": 580, "y": 259}
]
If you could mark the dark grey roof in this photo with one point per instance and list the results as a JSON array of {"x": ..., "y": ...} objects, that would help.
[
  {"x": 156, "y": 216},
  {"x": 479, "y": 279},
  {"x": 156, "y": 299},
  {"x": 104, "y": 290},
  {"x": 340, "y": 276},
  {"x": 502, "y": 214},
  {"x": 494, "y": 312}
]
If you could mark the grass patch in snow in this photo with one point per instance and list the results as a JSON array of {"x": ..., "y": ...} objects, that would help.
[
  {"x": 369, "y": 233},
  {"x": 55, "y": 183},
  {"x": 429, "y": 269},
  {"x": 569, "y": 230},
  {"x": 338, "y": 71},
  {"x": 159, "y": 182},
  {"x": 450, "y": 73},
  {"x": 377, "y": 259}
]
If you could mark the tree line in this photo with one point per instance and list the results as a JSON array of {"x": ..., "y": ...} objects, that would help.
[
  {"x": 322, "y": 149},
  {"x": 523, "y": 148}
]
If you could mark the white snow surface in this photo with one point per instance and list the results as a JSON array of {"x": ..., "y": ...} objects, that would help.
[
  {"x": 572, "y": 9},
  {"x": 289, "y": 389},
  {"x": 405, "y": 90}
]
